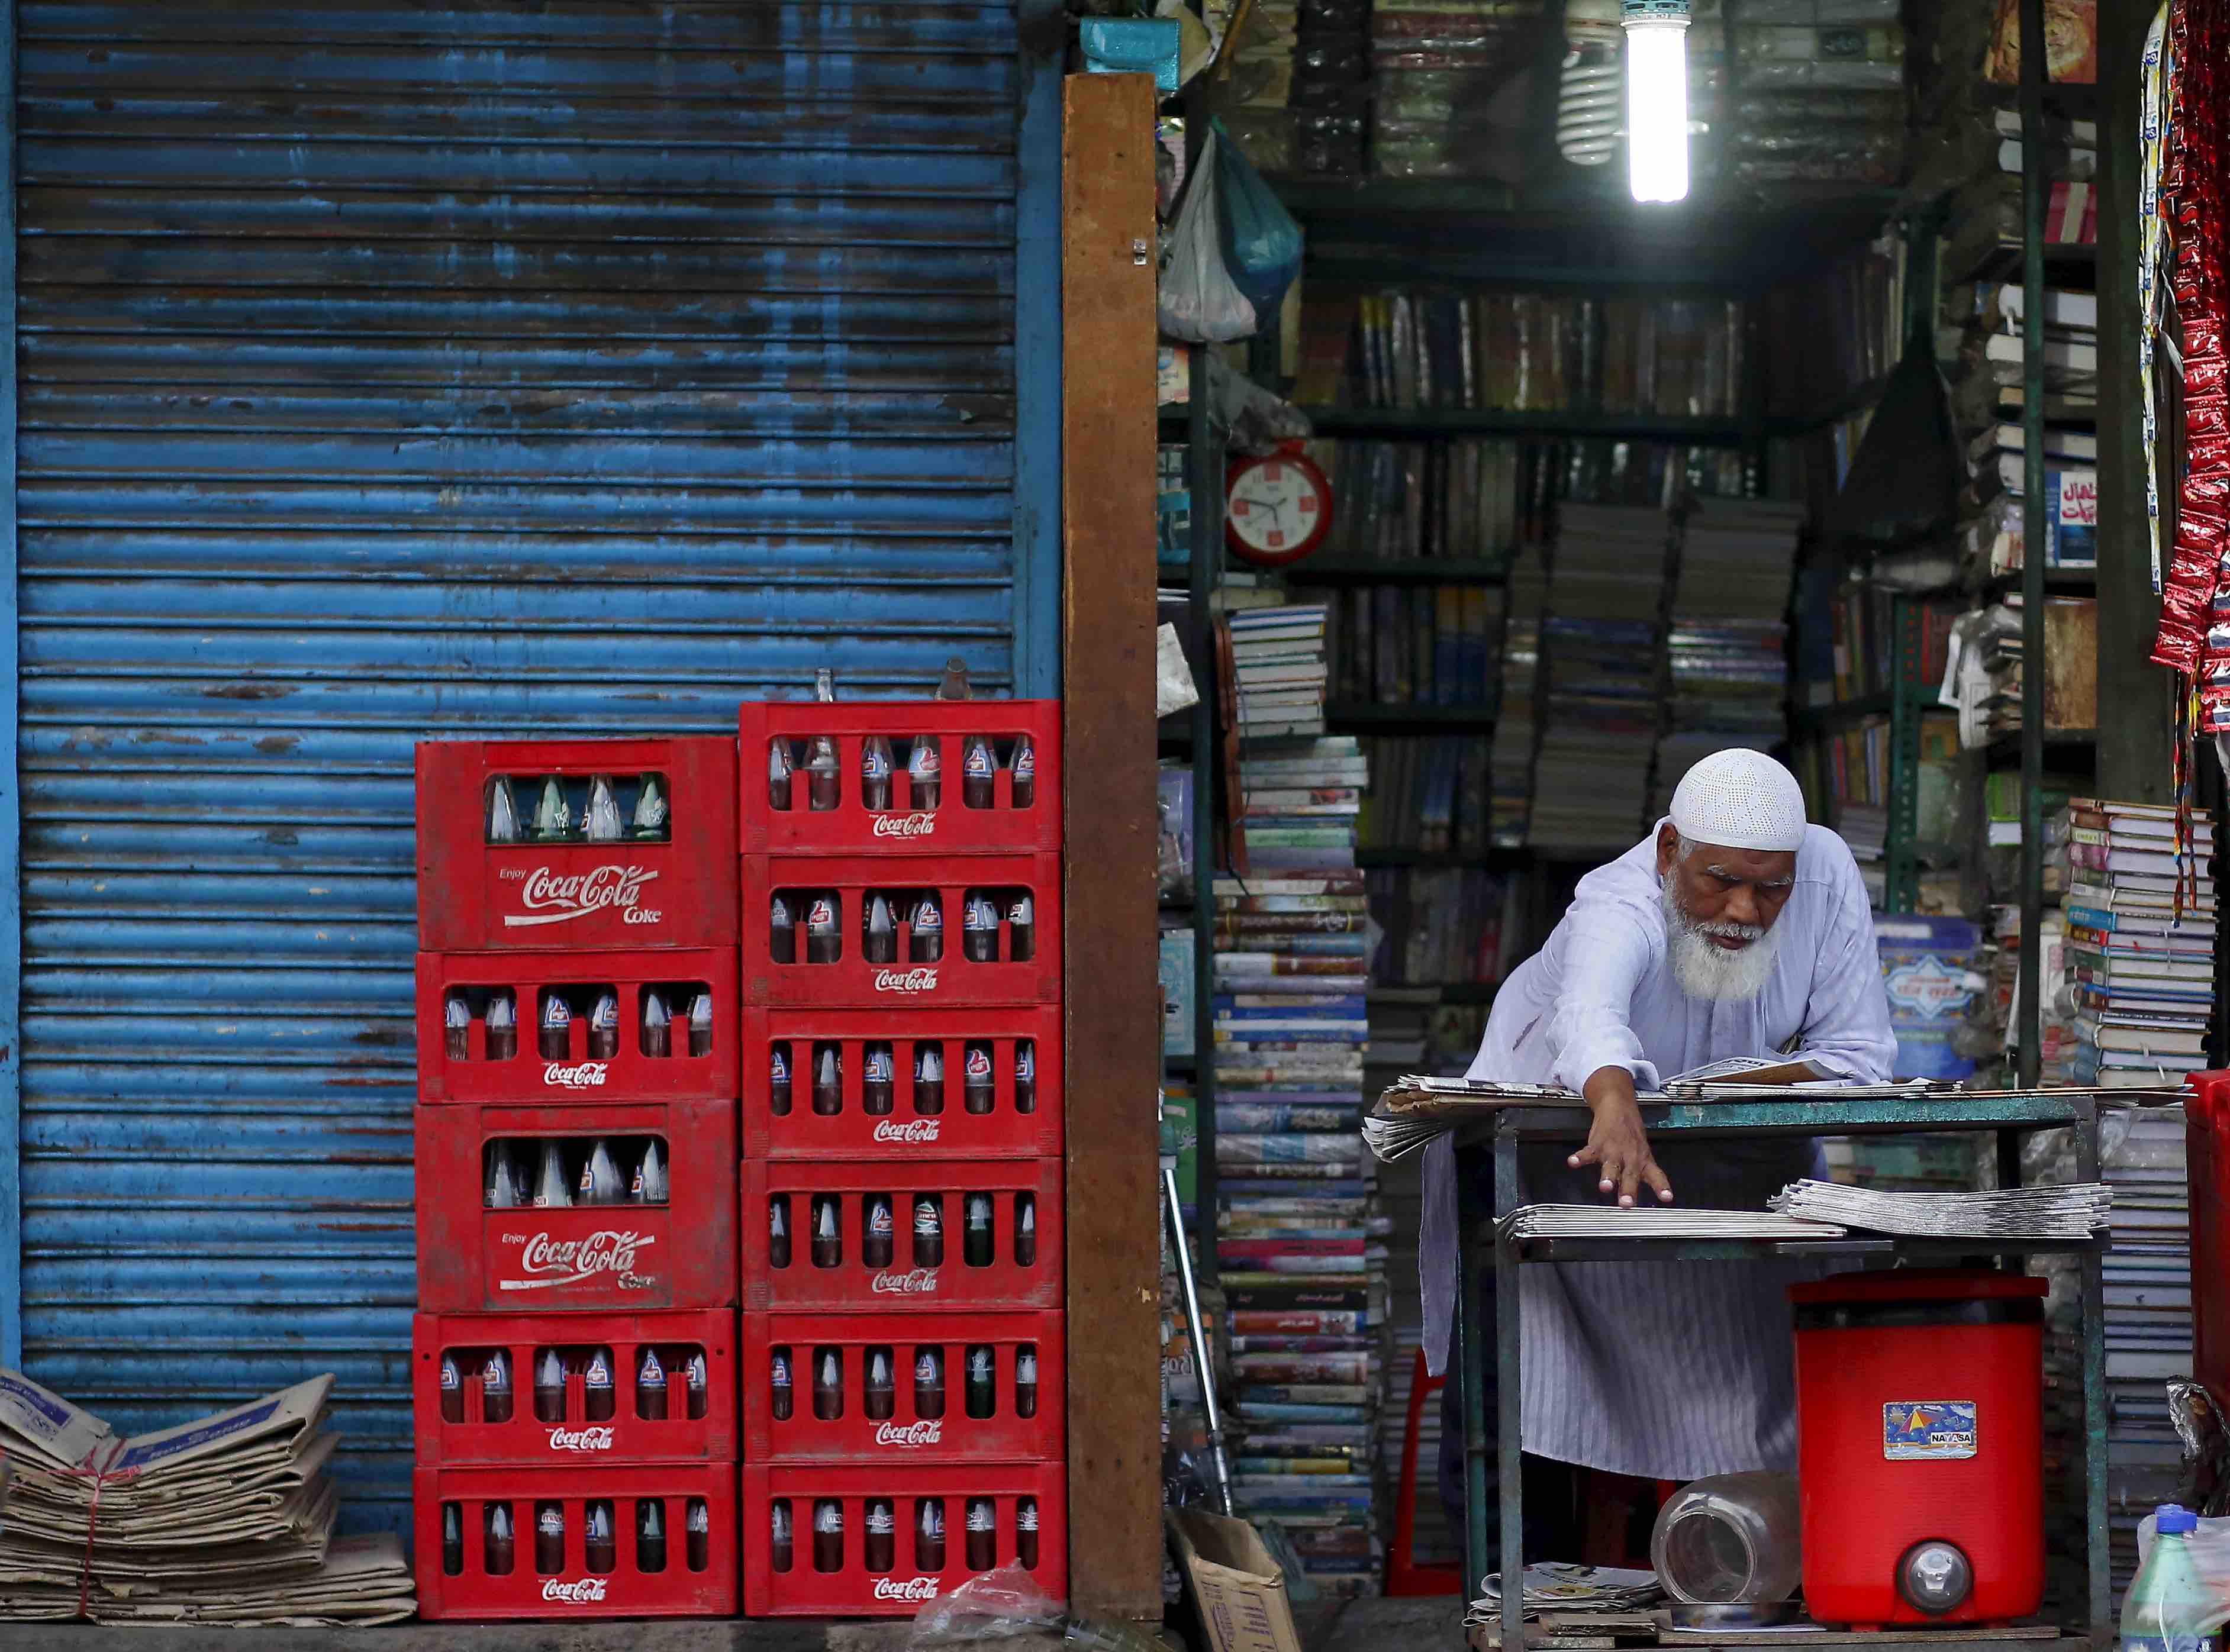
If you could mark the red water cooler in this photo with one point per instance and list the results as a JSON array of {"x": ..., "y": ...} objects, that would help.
[{"x": 1920, "y": 1446}]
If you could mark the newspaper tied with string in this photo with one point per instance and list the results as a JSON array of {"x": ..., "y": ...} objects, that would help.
[{"x": 226, "y": 1519}]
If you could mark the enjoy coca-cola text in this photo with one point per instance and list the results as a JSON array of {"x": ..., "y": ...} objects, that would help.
[
  {"x": 912, "y": 1133},
  {"x": 905, "y": 825},
  {"x": 910, "y": 1436},
  {"x": 587, "y": 1075},
  {"x": 579, "y": 1591},
  {"x": 920, "y": 1282},
  {"x": 551, "y": 898},
  {"x": 573, "y": 1261},
  {"x": 580, "y": 1439},
  {"x": 907, "y": 1589}
]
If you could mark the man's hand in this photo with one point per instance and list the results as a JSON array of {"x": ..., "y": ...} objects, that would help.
[{"x": 1617, "y": 1142}]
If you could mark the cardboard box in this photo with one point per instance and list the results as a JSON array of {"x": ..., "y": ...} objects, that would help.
[{"x": 1241, "y": 1588}]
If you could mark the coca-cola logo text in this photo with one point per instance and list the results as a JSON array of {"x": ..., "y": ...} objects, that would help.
[
  {"x": 573, "y": 1262},
  {"x": 909, "y": 1436},
  {"x": 580, "y": 1591},
  {"x": 909, "y": 1589},
  {"x": 913, "y": 1133},
  {"x": 587, "y": 1075},
  {"x": 551, "y": 898},
  {"x": 921, "y": 1281},
  {"x": 905, "y": 825},
  {"x": 905, "y": 980},
  {"x": 580, "y": 1439}
]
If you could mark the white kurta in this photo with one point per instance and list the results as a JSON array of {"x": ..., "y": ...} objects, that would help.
[{"x": 1667, "y": 1370}]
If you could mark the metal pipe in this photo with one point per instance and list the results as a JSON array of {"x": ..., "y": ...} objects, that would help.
[
  {"x": 1202, "y": 1356},
  {"x": 2029, "y": 1032}
]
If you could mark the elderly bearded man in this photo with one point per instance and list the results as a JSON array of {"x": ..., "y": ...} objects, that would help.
[{"x": 1734, "y": 929}]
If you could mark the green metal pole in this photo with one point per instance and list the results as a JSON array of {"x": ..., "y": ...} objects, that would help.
[
  {"x": 2030, "y": 1031},
  {"x": 1204, "y": 473}
]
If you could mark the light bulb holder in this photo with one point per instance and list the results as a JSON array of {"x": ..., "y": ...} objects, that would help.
[{"x": 1645, "y": 12}]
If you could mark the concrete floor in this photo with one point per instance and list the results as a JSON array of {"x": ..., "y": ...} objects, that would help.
[{"x": 1344, "y": 1626}]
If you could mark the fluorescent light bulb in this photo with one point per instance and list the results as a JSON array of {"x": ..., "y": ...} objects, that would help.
[{"x": 1657, "y": 99}]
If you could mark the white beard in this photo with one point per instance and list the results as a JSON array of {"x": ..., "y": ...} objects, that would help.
[{"x": 1705, "y": 970}]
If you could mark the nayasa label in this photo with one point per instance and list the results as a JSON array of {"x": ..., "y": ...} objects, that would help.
[{"x": 1914, "y": 1429}]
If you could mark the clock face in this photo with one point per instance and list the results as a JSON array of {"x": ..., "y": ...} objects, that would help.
[{"x": 1278, "y": 508}]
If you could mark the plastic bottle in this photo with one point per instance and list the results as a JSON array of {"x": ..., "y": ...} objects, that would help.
[
  {"x": 1730, "y": 1538},
  {"x": 2168, "y": 1599}
]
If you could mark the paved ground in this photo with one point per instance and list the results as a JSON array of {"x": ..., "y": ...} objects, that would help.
[{"x": 1350, "y": 1626}]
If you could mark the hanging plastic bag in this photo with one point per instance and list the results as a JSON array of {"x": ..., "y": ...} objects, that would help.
[
  {"x": 1261, "y": 242},
  {"x": 1200, "y": 302}
]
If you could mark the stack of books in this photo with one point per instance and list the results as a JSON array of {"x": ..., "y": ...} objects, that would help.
[
  {"x": 1511, "y": 756},
  {"x": 2140, "y": 954},
  {"x": 1278, "y": 652},
  {"x": 1298, "y": 803},
  {"x": 1729, "y": 642},
  {"x": 1300, "y": 1246},
  {"x": 1603, "y": 657}
]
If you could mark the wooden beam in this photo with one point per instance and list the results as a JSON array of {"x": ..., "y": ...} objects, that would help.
[
  {"x": 1114, "y": 1014},
  {"x": 2136, "y": 698}
]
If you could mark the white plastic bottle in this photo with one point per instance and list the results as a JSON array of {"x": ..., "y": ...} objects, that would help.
[{"x": 2167, "y": 1600}]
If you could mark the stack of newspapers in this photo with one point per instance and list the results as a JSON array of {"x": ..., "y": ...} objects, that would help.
[
  {"x": 2074, "y": 1211},
  {"x": 224, "y": 1519},
  {"x": 1654, "y": 1221}
]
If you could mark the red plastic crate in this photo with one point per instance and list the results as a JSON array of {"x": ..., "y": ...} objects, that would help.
[
  {"x": 528, "y": 1075},
  {"x": 850, "y": 828},
  {"x": 538, "y": 896},
  {"x": 529, "y": 1438},
  {"x": 801, "y": 1591},
  {"x": 849, "y": 881},
  {"x": 592, "y": 1257},
  {"x": 904, "y": 1133},
  {"x": 571, "y": 1590},
  {"x": 905, "y": 1285},
  {"x": 913, "y": 1431}
]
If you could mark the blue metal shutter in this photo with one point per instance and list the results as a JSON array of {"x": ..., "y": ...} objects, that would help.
[{"x": 387, "y": 371}]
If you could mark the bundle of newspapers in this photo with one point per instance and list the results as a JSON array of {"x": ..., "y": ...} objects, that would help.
[
  {"x": 226, "y": 1519},
  {"x": 1656, "y": 1222},
  {"x": 1567, "y": 1585},
  {"x": 2072, "y": 1211}
]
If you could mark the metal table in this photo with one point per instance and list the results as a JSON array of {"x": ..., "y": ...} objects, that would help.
[{"x": 2007, "y": 1115}]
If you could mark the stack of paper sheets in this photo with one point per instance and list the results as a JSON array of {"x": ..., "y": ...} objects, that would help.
[
  {"x": 2073, "y": 1212},
  {"x": 1565, "y": 1586},
  {"x": 1657, "y": 1222},
  {"x": 228, "y": 1518}
]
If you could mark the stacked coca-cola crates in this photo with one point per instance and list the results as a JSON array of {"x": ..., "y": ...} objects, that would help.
[
  {"x": 574, "y": 1360},
  {"x": 903, "y": 1340}
]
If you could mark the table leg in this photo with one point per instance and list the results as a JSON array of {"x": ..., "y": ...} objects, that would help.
[
  {"x": 1471, "y": 1356},
  {"x": 2105, "y": 1631},
  {"x": 1508, "y": 1316},
  {"x": 2009, "y": 1168}
]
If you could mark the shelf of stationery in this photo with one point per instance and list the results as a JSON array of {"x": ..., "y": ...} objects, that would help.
[
  {"x": 1399, "y": 571},
  {"x": 1408, "y": 719}
]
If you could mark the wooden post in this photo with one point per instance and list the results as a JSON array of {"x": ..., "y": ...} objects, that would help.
[{"x": 1108, "y": 757}]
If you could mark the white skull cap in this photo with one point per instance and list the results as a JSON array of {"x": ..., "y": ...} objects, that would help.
[{"x": 1740, "y": 799}]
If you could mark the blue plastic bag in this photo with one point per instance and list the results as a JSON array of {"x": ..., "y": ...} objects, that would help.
[{"x": 1261, "y": 242}]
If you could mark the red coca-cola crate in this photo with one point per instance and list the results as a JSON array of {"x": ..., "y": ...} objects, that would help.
[
  {"x": 637, "y": 1583},
  {"x": 964, "y": 1388},
  {"x": 952, "y": 826},
  {"x": 691, "y": 1352},
  {"x": 849, "y": 1190},
  {"x": 925, "y": 1118},
  {"x": 541, "y": 893},
  {"x": 809, "y": 1586},
  {"x": 531, "y": 984},
  {"x": 845, "y": 885},
  {"x": 474, "y": 1259}
]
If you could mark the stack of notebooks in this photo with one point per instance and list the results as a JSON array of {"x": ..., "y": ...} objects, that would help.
[
  {"x": 1279, "y": 655},
  {"x": 1603, "y": 657},
  {"x": 1729, "y": 642},
  {"x": 1511, "y": 757},
  {"x": 1300, "y": 1247},
  {"x": 2140, "y": 955}
]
